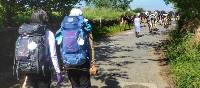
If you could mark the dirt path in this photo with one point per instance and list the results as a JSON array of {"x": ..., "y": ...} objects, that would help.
[{"x": 125, "y": 61}]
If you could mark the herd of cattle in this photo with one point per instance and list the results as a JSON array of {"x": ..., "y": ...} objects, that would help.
[{"x": 151, "y": 19}]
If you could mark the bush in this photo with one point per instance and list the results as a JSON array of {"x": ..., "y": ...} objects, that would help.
[
  {"x": 130, "y": 13},
  {"x": 138, "y": 10},
  {"x": 103, "y": 13},
  {"x": 110, "y": 20},
  {"x": 99, "y": 32},
  {"x": 22, "y": 17},
  {"x": 1, "y": 16},
  {"x": 184, "y": 59}
]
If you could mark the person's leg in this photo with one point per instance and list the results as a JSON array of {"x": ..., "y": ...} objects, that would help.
[
  {"x": 136, "y": 34},
  {"x": 79, "y": 78},
  {"x": 44, "y": 80},
  {"x": 30, "y": 81},
  {"x": 150, "y": 26},
  {"x": 85, "y": 79},
  {"x": 73, "y": 76}
]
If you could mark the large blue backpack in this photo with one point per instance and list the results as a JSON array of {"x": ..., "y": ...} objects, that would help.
[{"x": 73, "y": 53}]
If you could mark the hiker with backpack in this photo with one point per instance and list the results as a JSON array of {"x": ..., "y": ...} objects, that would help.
[
  {"x": 76, "y": 46},
  {"x": 35, "y": 52}
]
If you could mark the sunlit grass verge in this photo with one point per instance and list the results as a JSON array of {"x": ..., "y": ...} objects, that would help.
[
  {"x": 110, "y": 20},
  {"x": 184, "y": 59}
]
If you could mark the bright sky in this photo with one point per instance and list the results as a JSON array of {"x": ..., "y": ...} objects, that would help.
[{"x": 151, "y": 5}]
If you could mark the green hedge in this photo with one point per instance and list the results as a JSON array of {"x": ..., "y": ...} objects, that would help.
[
  {"x": 22, "y": 17},
  {"x": 110, "y": 20},
  {"x": 184, "y": 59},
  {"x": 103, "y": 13},
  {"x": 1, "y": 16}
]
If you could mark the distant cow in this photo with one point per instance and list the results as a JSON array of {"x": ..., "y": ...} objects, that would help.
[
  {"x": 152, "y": 22},
  {"x": 143, "y": 17},
  {"x": 126, "y": 20},
  {"x": 177, "y": 16}
]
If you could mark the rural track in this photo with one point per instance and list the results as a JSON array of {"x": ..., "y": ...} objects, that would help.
[{"x": 125, "y": 61}]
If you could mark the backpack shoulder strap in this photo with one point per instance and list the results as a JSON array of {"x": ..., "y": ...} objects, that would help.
[{"x": 47, "y": 50}]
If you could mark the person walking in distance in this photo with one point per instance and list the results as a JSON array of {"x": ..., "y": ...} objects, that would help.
[{"x": 137, "y": 26}]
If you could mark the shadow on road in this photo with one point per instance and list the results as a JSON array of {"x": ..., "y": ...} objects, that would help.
[
  {"x": 104, "y": 55},
  {"x": 158, "y": 47}
]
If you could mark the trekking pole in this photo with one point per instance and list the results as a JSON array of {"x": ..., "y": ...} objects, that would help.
[
  {"x": 17, "y": 73},
  {"x": 13, "y": 68},
  {"x": 14, "y": 64}
]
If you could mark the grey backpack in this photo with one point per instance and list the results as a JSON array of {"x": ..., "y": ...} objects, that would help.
[{"x": 31, "y": 52}]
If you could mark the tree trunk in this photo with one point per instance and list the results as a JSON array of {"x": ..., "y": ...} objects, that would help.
[{"x": 10, "y": 13}]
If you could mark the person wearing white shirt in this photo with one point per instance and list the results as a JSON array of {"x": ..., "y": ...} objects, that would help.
[
  {"x": 137, "y": 25},
  {"x": 43, "y": 80}
]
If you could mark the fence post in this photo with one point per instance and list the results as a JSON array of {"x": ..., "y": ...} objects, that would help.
[{"x": 100, "y": 22}]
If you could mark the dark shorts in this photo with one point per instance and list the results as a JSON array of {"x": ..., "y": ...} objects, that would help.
[
  {"x": 80, "y": 76},
  {"x": 38, "y": 80}
]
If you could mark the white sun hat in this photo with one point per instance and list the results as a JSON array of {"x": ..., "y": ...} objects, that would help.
[
  {"x": 138, "y": 14},
  {"x": 75, "y": 12}
]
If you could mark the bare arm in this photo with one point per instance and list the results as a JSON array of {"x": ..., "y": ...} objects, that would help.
[{"x": 91, "y": 49}]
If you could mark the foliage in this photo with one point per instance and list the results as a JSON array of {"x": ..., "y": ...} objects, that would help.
[
  {"x": 130, "y": 13},
  {"x": 117, "y": 4},
  {"x": 109, "y": 17},
  {"x": 1, "y": 16},
  {"x": 190, "y": 13},
  {"x": 22, "y": 17},
  {"x": 183, "y": 54},
  {"x": 97, "y": 13},
  {"x": 13, "y": 7},
  {"x": 138, "y": 10},
  {"x": 99, "y": 32}
]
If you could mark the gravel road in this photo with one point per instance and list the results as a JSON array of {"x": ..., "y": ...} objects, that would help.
[{"x": 125, "y": 61}]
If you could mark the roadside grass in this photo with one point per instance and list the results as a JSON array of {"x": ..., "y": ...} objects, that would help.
[
  {"x": 183, "y": 55},
  {"x": 105, "y": 14}
]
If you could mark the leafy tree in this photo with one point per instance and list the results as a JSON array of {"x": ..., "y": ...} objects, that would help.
[
  {"x": 119, "y": 4},
  {"x": 190, "y": 13},
  {"x": 1, "y": 16},
  {"x": 100, "y": 3},
  {"x": 123, "y": 4},
  {"x": 12, "y": 7},
  {"x": 138, "y": 10}
]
